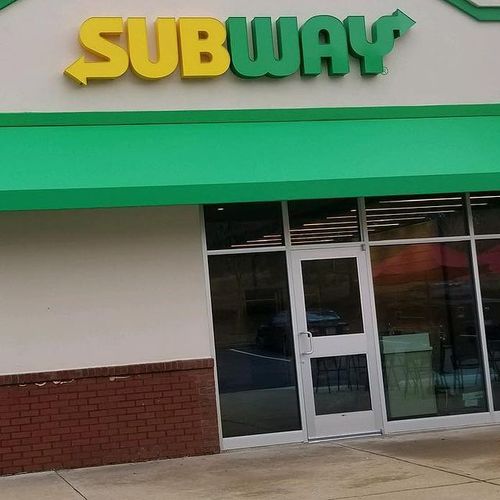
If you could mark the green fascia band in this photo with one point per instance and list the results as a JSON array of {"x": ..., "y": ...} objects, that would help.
[
  {"x": 70, "y": 161},
  {"x": 478, "y": 12},
  {"x": 244, "y": 115}
]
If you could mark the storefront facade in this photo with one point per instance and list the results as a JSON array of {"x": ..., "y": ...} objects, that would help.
[{"x": 216, "y": 251}]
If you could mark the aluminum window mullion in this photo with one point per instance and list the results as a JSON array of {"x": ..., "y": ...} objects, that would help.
[
  {"x": 493, "y": 236},
  {"x": 371, "y": 292},
  {"x": 235, "y": 251},
  {"x": 286, "y": 225},
  {"x": 414, "y": 241},
  {"x": 479, "y": 306},
  {"x": 210, "y": 320},
  {"x": 323, "y": 246},
  {"x": 293, "y": 314},
  {"x": 363, "y": 224}
]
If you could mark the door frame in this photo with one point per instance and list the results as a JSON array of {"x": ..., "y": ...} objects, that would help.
[{"x": 358, "y": 251}]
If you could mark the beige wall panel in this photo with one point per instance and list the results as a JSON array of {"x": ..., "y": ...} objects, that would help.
[
  {"x": 104, "y": 287},
  {"x": 447, "y": 58}
]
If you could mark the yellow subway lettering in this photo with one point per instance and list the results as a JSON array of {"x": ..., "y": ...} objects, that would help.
[
  {"x": 202, "y": 47},
  {"x": 167, "y": 52},
  {"x": 114, "y": 60}
]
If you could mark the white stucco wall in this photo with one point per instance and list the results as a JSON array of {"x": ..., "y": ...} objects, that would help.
[
  {"x": 101, "y": 287},
  {"x": 447, "y": 57}
]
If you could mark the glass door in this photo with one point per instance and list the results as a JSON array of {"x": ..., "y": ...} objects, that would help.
[{"x": 334, "y": 324}]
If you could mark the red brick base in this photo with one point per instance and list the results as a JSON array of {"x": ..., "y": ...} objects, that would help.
[{"x": 98, "y": 416}]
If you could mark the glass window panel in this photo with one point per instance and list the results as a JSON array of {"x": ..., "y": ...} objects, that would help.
[
  {"x": 323, "y": 221},
  {"x": 331, "y": 290},
  {"x": 428, "y": 331},
  {"x": 405, "y": 217},
  {"x": 243, "y": 225},
  {"x": 340, "y": 384},
  {"x": 486, "y": 212},
  {"x": 254, "y": 344},
  {"x": 488, "y": 257}
]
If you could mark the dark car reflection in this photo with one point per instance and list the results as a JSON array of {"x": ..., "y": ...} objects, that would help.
[{"x": 274, "y": 336}]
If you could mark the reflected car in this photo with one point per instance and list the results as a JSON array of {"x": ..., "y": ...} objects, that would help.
[
  {"x": 323, "y": 323},
  {"x": 276, "y": 335}
]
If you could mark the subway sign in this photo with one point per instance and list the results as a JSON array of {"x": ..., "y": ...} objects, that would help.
[{"x": 203, "y": 47}]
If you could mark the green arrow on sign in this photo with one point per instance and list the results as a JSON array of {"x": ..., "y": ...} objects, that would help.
[
  {"x": 478, "y": 12},
  {"x": 399, "y": 23},
  {"x": 385, "y": 31}
]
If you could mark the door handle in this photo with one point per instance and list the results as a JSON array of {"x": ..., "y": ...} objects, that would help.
[{"x": 309, "y": 336}]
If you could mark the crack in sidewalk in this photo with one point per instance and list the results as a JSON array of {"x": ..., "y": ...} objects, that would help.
[
  {"x": 404, "y": 490},
  {"x": 410, "y": 462},
  {"x": 74, "y": 488}
]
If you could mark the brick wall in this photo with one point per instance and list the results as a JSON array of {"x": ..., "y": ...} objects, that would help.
[{"x": 100, "y": 416}]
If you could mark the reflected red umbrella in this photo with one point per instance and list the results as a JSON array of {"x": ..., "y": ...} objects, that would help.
[
  {"x": 422, "y": 262},
  {"x": 490, "y": 259}
]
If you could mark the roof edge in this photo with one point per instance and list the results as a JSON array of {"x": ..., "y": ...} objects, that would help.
[
  {"x": 96, "y": 118},
  {"x": 483, "y": 13},
  {"x": 6, "y": 3}
]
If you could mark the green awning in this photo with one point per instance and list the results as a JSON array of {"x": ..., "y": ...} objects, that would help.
[{"x": 113, "y": 165}]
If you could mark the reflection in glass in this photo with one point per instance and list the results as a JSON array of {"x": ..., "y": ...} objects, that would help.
[
  {"x": 331, "y": 290},
  {"x": 486, "y": 212},
  {"x": 340, "y": 384},
  {"x": 488, "y": 257},
  {"x": 428, "y": 330},
  {"x": 323, "y": 221},
  {"x": 243, "y": 225},
  {"x": 415, "y": 217},
  {"x": 254, "y": 346}
]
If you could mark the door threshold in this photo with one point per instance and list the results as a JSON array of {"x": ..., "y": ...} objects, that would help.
[{"x": 343, "y": 437}]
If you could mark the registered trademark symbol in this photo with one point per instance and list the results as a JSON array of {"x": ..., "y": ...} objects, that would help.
[{"x": 385, "y": 70}]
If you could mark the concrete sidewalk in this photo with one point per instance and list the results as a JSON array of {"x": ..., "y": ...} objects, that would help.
[{"x": 456, "y": 465}]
